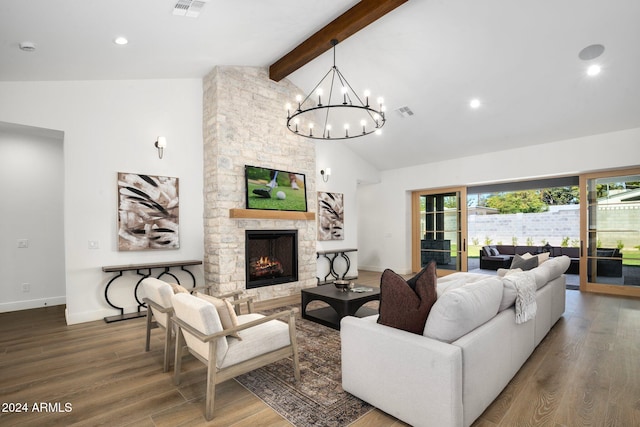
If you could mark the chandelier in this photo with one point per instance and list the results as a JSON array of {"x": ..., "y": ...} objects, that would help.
[{"x": 342, "y": 112}]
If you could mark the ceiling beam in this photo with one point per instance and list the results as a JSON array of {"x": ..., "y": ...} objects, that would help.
[{"x": 345, "y": 25}]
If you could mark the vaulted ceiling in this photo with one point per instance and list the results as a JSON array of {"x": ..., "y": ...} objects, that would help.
[{"x": 520, "y": 59}]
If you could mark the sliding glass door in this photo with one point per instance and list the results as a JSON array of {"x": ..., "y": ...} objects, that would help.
[
  {"x": 439, "y": 229},
  {"x": 610, "y": 232}
]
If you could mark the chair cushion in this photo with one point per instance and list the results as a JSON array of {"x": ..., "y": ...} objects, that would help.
[
  {"x": 225, "y": 309},
  {"x": 202, "y": 316},
  {"x": 160, "y": 293},
  {"x": 257, "y": 340},
  {"x": 403, "y": 308}
]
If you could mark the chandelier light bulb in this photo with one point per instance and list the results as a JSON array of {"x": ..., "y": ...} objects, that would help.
[
  {"x": 378, "y": 132},
  {"x": 380, "y": 101}
]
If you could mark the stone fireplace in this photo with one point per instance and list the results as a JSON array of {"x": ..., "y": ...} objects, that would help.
[{"x": 244, "y": 123}]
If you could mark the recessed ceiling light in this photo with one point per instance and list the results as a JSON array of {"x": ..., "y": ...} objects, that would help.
[
  {"x": 27, "y": 46},
  {"x": 474, "y": 103},
  {"x": 593, "y": 70},
  {"x": 121, "y": 40}
]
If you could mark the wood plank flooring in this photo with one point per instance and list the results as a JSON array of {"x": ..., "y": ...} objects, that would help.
[{"x": 585, "y": 373}]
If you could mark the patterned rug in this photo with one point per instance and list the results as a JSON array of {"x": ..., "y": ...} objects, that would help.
[{"x": 318, "y": 399}]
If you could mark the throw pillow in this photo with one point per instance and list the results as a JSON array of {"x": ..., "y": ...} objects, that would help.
[
  {"x": 523, "y": 263},
  {"x": 403, "y": 308},
  {"x": 178, "y": 289},
  {"x": 225, "y": 310},
  {"x": 414, "y": 280},
  {"x": 542, "y": 257},
  {"x": 494, "y": 252}
]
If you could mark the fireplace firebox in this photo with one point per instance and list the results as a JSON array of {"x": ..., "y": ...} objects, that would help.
[{"x": 271, "y": 257}]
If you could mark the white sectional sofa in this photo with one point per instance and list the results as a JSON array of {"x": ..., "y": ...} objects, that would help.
[{"x": 430, "y": 382}]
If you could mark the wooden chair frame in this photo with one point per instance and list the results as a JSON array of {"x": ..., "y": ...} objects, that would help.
[
  {"x": 152, "y": 307},
  {"x": 215, "y": 375}
]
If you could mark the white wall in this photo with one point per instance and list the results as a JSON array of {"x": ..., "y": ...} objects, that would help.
[
  {"x": 384, "y": 238},
  {"x": 31, "y": 208},
  {"x": 348, "y": 172},
  {"x": 110, "y": 127}
]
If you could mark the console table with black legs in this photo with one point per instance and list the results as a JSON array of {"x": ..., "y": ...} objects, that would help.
[
  {"x": 145, "y": 271},
  {"x": 331, "y": 255}
]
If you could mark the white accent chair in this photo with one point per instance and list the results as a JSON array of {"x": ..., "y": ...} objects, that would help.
[
  {"x": 159, "y": 312},
  {"x": 264, "y": 340}
]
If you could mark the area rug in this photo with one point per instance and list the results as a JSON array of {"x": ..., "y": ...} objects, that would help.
[{"x": 318, "y": 399}]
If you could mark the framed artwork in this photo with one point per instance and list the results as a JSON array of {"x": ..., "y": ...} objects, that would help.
[
  {"x": 330, "y": 216},
  {"x": 148, "y": 212}
]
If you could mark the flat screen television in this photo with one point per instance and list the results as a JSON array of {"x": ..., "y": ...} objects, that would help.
[{"x": 275, "y": 189}]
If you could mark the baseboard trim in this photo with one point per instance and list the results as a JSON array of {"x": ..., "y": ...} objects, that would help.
[{"x": 33, "y": 303}]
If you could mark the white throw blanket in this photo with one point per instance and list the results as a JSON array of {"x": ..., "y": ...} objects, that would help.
[{"x": 525, "y": 284}]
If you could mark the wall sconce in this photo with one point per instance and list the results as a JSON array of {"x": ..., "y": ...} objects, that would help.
[
  {"x": 325, "y": 174},
  {"x": 160, "y": 144}
]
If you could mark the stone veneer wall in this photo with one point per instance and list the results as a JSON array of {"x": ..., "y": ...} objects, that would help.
[{"x": 244, "y": 123}]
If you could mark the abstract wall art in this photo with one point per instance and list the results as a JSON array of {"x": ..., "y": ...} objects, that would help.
[
  {"x": 330, "y": 216},
  {"x": 148, "y": 212}
]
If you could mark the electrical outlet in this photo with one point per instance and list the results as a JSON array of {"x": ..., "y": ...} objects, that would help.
[
  {"x": 26, "y": 287},
  {"x": 23, "y": 243},
  {"x": 94, "y": 244}
]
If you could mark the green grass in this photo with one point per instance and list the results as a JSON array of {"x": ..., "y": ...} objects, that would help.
[{"x": 295, "y": 199}]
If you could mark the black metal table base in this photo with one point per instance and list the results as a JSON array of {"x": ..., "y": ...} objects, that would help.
[
  {"x": 143, "y": 270},
  {"x": 331, "y": 256}
]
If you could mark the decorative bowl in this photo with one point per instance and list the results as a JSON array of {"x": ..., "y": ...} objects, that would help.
[{"x": 343, "y": 285}]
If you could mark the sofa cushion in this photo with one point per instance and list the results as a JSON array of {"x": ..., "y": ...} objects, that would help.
[
  {"x": 403, "y": 308},
  {"x": 449, "y": 285},
  {"x": 556, "y": 266},
  {"x": 509, "y": 281},
  {"x": 459, "y": 311},
  {"x": 523, "y": 263}
]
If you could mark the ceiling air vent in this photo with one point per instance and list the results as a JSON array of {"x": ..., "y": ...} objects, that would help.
[
  {"x": 404, "y": 112},
  {"x": 190, "y": 8}
]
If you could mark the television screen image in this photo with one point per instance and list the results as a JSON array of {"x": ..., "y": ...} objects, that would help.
[{"x": 274, "y": 189}]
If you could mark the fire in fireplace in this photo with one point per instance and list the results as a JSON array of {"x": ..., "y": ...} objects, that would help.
[{"x": 271, "y": 257}]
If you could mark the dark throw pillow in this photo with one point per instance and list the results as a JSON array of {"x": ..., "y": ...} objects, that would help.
[
  {"x": 403, "y": 308},
  {"x": 524, "y": 263},
  {"x": 414, "y": 280}
]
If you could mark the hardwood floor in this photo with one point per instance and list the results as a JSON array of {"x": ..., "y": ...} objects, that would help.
[{"x": 585, "y": 372}]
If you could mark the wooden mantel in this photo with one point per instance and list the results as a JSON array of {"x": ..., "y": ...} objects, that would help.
[{"x": 271, "y": 214}]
